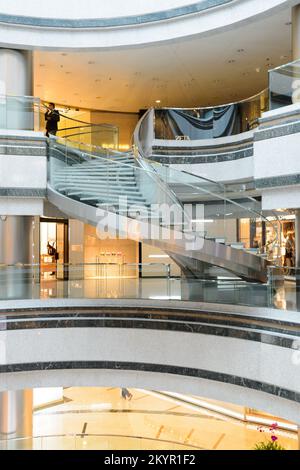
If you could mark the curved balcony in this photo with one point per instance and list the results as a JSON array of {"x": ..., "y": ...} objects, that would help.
[
  {"x": 138, "y": 25},
  {"x": 135, "y": 344}
]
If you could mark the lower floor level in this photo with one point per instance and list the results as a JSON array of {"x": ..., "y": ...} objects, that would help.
[{"x": 80, "y": 418}]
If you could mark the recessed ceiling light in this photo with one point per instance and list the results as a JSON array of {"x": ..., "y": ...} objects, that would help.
[
  {"x": 257, "y": 69},
  {"x": 157, "y": 101}
]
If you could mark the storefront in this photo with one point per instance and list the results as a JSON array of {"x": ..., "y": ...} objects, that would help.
[
  {"x": 54, "y": 251},
  {"x": 275, "y": 238}
]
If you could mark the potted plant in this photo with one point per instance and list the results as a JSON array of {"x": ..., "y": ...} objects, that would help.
[{"x": 271, "y": 443}]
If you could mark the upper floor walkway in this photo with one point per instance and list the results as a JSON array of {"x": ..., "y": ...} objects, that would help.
[{"x": 124, "y": 24}]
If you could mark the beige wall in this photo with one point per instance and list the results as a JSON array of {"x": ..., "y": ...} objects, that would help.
[
  {"x": 147, "y": 252},
  {"x": 125, "y": 122},
  {"x": 220, "y": 230},
  {"x": 109, "y": 251}
]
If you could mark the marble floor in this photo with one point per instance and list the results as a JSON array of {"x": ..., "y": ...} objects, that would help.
[{"x": 101, "y": 419}]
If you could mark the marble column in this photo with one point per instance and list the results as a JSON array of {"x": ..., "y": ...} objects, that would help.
[
  {"x": 16, "y": 86},
  {"x": 16, "y": 418},
  {"x": 296, "y": 32},
  {"x": 17, "y": 246}
]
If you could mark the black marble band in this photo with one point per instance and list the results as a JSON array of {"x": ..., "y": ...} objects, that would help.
[
  {"x": 281, "y": 334},
  {"x": 278, "y": 131},
  {"x": 23, "y": 192},
  {"x": 113, "y": 22},
  {"x": 157, "y": 368},
  {"x": 213, "y": 158},
  {"x": 275, "y": 181}
]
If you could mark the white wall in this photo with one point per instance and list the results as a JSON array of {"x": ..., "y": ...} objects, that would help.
[
  {"x": 19, "y": 171},
  {"x": 233, "y": 170},
  {"x": 248, "y": 359},
  {"x": 277, "y": 157},
  {"x": 21, "y": 206},
  {"x": 282, "y": 198}
]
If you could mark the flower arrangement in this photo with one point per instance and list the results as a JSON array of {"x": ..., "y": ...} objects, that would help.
[{"x": 272, "y": 443}]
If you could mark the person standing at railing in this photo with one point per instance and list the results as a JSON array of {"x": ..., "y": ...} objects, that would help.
[{"x": 52, "y": 117}]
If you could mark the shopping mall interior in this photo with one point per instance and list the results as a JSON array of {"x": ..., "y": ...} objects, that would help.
[{"x": 150, "y": 198}]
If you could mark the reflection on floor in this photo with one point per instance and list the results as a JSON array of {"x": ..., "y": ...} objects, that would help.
[
  {"x": 102, "y": 419},
  {"x": 16, "y": 285}
]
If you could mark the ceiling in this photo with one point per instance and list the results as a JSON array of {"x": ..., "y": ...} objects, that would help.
[{"x": 226, "y": 67}]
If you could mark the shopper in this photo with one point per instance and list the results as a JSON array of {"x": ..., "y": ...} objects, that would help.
[
  {"x": 52, "y": 117},
  {"x": 289, "y": 251},
  {"x": 126, "y": 394}
]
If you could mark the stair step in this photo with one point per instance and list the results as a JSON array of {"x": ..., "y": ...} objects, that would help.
[
  {"x": 109, "y": 198},
  {"x": 93, "y": 172},
  {"x": 97, "y": 186}
]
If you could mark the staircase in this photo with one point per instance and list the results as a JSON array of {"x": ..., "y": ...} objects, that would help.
[{"x": 81, "y": 183}]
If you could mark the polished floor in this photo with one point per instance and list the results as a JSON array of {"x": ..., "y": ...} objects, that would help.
[{"x": 99, "y": 418}]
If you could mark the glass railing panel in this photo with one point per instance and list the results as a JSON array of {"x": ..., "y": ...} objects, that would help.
[
  {"x": 284, "y": 85},
  {"x": 217, "y": 210},
  {"x": 76, "y": 126},
  {"x": 156, "y": 281},
  {"x": 95, "y": 442},
  {"x": 19, "y": 113},
  {"x": 209, "y": 123},
  {"x": 284, "y": 288}
]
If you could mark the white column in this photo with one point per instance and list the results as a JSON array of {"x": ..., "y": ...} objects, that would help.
[
  {"x": 296, "y": 32},
  {"x": 16, "y": 239},
  {"x": 16, "y": 418},
  {"x": 16, "y": 79}
]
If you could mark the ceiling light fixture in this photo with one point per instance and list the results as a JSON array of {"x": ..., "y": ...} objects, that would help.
[{"x": 157, "y": 101}]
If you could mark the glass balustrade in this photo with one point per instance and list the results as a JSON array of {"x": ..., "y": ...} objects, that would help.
[
  {"x": 284, "y": 85},
  {"x": 148, "y": 281},
  {"x": 211, "y": 122},
  {"x": 19, "y": 112},
  {"x": 93, "y": 442}
]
